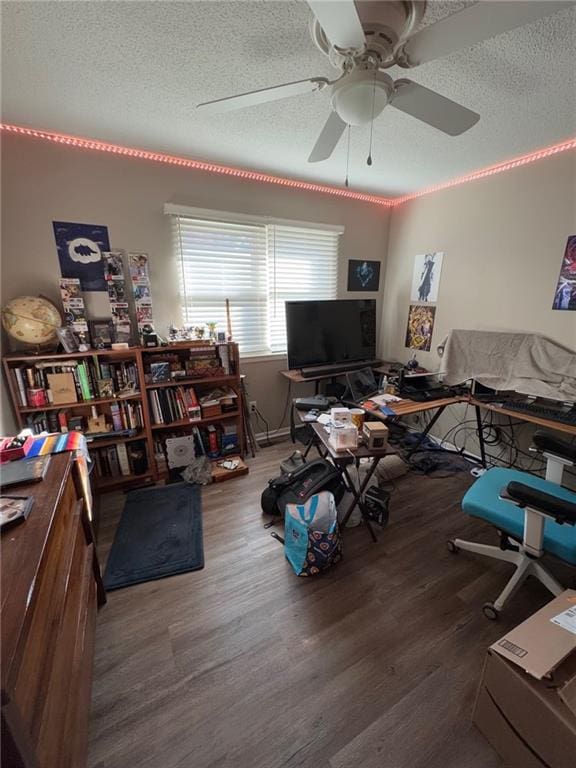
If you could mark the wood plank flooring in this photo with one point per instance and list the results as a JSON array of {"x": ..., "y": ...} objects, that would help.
[{"x": 244, "y": 665}]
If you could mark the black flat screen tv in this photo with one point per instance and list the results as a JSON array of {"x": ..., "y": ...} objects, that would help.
[{"x": 330, "y": 332}]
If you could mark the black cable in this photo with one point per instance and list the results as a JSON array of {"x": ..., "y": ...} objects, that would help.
[
  {"x": 267, "y": 428},
  {"x": 286, "y": 405}
]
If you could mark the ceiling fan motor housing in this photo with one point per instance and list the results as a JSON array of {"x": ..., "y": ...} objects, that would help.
[{"x": 362, "y": 95}]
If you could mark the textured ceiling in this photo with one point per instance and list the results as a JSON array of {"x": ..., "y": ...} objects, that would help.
[{"x": 132, "y": 72}]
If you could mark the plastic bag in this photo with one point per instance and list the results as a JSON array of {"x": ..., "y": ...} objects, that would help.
[{"x": 312, "y": 540}]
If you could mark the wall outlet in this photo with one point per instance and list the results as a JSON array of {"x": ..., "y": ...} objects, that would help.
[{"x": 252, "y": 405}]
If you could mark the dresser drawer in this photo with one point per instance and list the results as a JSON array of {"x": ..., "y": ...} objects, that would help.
[{"x": 32, "y": 675}]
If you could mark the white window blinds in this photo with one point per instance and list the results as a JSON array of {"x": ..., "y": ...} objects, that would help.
[
  {"x": 258, "y": 266},
  {"x": 302, "y": 264}
]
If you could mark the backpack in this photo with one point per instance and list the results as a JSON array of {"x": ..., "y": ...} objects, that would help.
[{"x": 298, "y": 486}]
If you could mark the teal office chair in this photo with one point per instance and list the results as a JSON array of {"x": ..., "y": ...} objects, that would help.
[{"x": 532, "y": 515}]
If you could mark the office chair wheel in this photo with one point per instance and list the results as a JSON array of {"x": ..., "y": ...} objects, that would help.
[
  {"x": 451, "y": 546},
  {"x": 490, "y": 611}
]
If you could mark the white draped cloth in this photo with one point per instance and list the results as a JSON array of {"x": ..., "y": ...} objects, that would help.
[{"x": 523, "y": 362}]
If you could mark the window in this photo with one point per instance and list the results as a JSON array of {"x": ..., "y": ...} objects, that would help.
[{"x": 258, "y": 265}]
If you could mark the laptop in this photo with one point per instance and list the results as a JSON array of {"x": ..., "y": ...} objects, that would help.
[{"x": 362, "y": 385}]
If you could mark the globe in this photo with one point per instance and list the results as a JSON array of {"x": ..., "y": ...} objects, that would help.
[{"x": 31, "y": 320}]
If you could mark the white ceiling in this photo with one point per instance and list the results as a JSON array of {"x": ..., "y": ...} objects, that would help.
[{"x": 132, "y": 72}]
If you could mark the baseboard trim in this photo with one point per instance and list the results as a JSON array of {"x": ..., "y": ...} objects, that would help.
[{"x": 276, "y": 435}]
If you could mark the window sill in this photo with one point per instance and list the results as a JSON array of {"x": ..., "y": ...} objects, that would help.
[{"x": 263, "y": 357}]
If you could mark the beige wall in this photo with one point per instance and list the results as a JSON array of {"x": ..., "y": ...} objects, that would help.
[
  {"x": 503, "y": 238},
  {"x": 43, "y": 182}
]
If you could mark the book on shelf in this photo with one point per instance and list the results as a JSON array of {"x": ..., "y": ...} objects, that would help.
[
  {"x": 224, "y": 355},
  {"x": 174, "y": 404},
  {"x": 52, "y": 382},
  {"x": 62, "y": 387},
  {"x": 123, "y": 459},
  {"x": 124, "y": 415}
]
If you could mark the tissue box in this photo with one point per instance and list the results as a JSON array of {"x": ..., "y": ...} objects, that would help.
[
  {"x": 343, "y": 436},
  {"x": 342, "y": 415}
]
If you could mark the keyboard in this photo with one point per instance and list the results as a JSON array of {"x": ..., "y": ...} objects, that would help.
[
  {"x": 543, "y": 411},
  {"x": 322, "y": 370},
  {"x": 423, "y": 395}
]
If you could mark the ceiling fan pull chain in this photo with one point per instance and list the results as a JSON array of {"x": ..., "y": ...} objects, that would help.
[
  {"x": 369, "y": 158},
  {"x": 347, "y": 157}
]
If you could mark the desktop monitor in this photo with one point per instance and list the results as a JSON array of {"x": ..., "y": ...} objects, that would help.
[{"x": 330, "y": 332}]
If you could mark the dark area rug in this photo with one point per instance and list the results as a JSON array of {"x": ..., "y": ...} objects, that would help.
[{"x": 159, "y": 534}]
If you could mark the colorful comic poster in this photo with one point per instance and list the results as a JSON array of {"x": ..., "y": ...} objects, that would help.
[
  {"x": 117, "y": 294},
  {"x": 420, "y": 327},
  {"x": 80, "y": 249},
  {"x": 140, "y": 277},
  {"x": 426, "y": 277},
  {"x": 139, "y": 268},
  {"x": 73, "y": 304},
  {"x": 565, "y": 294}
]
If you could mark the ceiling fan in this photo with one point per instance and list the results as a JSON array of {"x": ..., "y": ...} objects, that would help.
[{"x": 362, "y": 39}]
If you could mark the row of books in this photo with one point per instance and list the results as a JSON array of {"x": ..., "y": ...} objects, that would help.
[
  {"x": 51, "y": 421},
  {"x": 124, "y": 415},
  {"x": 169, "y": 405},
  {"x": 181, "y": 403},
  {"x": 120, "y": 460},
  {"x": 45, "y": 383}
]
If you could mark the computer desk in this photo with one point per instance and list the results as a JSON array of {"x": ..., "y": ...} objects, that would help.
[
  {"x": 295, "y": 376},
  {"x": 480, "y": 405},
  {"x": 407, "y": 407}
]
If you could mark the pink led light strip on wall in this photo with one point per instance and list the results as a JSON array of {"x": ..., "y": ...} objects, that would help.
[
  {"x": 199, "y": 165},
  {"x": 508, "y": 165}
]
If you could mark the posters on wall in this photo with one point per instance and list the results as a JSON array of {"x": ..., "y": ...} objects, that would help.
[
  {"x": 73, "y": 304},
  {"x": 117, "y": 294},
  {"x": 420, "y": 326},
  {"x": 140, "y": 278},
  {"x": 423, "y": 297},
  {"x": 565, "y": 293},
  {"x": 426, "y": 277},
  {"x": 80, "y": 248},
  {"x": 363, "y": 275}
]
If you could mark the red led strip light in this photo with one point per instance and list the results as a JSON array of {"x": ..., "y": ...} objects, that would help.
[
  {"x": 199, "y": 165},
  {"x": 508, "y": 165}
]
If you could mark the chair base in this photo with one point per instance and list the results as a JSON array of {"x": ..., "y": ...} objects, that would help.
[{"x": 524, "y": 564}]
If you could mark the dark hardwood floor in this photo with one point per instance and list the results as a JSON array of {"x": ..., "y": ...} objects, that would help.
[{"x": 244, "y": 665}]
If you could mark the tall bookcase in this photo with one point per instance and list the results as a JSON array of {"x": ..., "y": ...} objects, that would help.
[{"x": 136, "y": 404}]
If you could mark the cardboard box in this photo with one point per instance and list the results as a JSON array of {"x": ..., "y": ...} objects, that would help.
[{"x": 526, "y": 705}]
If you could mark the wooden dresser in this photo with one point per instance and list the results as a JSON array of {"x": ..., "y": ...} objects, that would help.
[{"x": 51, "y": 588}]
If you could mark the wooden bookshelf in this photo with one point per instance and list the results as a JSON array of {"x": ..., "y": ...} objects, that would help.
[{"x": 150, "y": 435}]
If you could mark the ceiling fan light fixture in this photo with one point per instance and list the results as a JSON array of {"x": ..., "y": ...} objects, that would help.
[{"x": 361, "y": 96}]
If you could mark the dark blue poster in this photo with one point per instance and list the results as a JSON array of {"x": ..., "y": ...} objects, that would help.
[{"x": 80, "y": 249}]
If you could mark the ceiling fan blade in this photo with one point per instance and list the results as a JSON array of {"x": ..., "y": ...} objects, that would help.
[
  {"x": 431, "y": 108},
  {"x": 328, "y": 139},
  {"x": 263, "y": 95},
  {"x": 473, "y": 25},
  {"x": 340, "y": 21}
]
